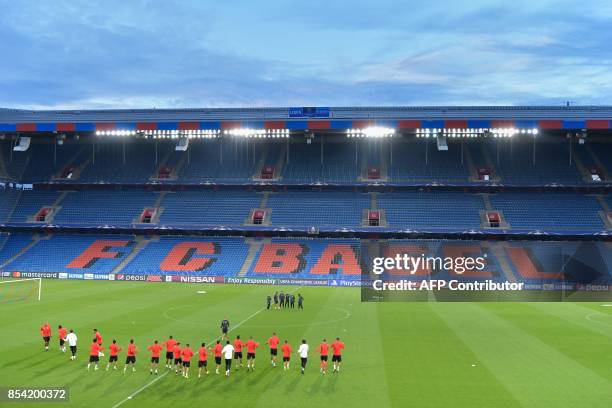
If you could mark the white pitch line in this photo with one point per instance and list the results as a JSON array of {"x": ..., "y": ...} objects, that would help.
[
  {"x": 147, "y": 385},
  {"x": 144, "y": 387}
]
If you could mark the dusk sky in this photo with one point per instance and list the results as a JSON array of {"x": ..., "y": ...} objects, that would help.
[{"x": 165, "y": 54}]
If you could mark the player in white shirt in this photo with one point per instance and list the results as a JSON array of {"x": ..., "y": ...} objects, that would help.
[
  {"x": 71, "y": 338},
  {"x": 228, "y": 354},
  {"x": 303, "y": 352}
]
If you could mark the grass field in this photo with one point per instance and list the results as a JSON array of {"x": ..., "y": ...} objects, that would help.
[{"x": 397, "y": 354}]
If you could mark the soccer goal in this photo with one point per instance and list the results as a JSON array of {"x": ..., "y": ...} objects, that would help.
[{"x": 14, "y": 290}]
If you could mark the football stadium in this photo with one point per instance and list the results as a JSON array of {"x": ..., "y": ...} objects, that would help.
[{"x": 435, "y": 256}]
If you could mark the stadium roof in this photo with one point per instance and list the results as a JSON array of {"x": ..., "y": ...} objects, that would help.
[{"x": 546, "y": 117}]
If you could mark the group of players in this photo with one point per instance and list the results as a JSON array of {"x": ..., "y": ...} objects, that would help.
[
  {"x": 285, "y": 301},
  {"x": 179, "y": 356}
]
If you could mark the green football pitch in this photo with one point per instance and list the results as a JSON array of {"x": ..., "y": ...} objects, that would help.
[{"x": 397, "y": 354}]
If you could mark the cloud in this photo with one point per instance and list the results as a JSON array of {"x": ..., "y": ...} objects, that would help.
[{"x": 111, "y": 54}]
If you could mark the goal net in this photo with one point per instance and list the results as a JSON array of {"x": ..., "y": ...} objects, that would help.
[{"x": 15, "y": 290}]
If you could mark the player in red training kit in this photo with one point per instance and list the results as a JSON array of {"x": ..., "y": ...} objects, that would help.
[
  {"x": 238, "y": 344},
  {"x": 186, "y": 355},
  {"x": 114, "y": 350},
  {"x": 324, "y": 351},
  {"x": 155, "y": 350},
  {"x": 45, "y": 332},
  {"x": 273, "y": 343},
  {"x": 170, "y": 343},
  {"x": 251, "y": 346},
  {"x": 203, "y": 359},
  {"x": 337, "y": 346},
  {"x": 61, "y": 334},
  {"x": 94, "y": 353},
  {"x": 176, "y": 353},
  {"x": 286, "y": 349},
  {"x": 131, "y": 356},
  {"x": 217, "y": 350},
  {"x": 98, "y": 336}
]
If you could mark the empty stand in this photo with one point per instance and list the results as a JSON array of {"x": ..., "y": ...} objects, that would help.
[
  {"x": 431, "y": 210},
  {"x": 317, "y": 208},
  {"x": 208, "y": 207},
  {"x": 32, "y": 205},
  {"x": 8, "y": 200},
  {"x": 336, "y": 160},
  {"x": 517, "y": 261},
  {"x": 125, "y": 161},
  {"x": 549, "y": 211},
  {"x": 594, "y": 156},
  {"x": 270, "y": 161},
  {"x": 103, "y": 208},
  {"x": 48, "y": 160},
  {"x": 220, "y": 161},
  {"x": 72, "y": 254},
  {"x": 11, "y": 245},
  {"x": 15, "y": 163},
  {"x": 190, "y": 256},
  {"x": 420, "y": 162},
  {"x": 305, "y": 165},
  {"x": 515, "y": 165},
  {"x": 316, "y": 258}
]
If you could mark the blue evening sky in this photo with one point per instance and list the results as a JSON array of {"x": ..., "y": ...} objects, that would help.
[{"x": 164, "y": 54}]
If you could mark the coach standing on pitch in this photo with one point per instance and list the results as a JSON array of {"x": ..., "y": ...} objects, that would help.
[{"x": 224, "y": 328}]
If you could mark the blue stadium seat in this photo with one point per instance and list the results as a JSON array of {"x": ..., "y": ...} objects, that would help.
[
  {"x": 305, "y": 167},
  {"x": 32, "y": 201},
  {"x": 209, "y": 161},
  {"x": 41, "y": 163},
  {"x": 516, "y": 165},
  {"x": 102, "y": 208},
  {"x": 549, "y": 211},
  {"x": 149, "y": 260},
  {"x": 433, "y": 210},
  {"x": 8, "y": 200},
  {"x": 412, "y": 164},
  {"x": 12, "y": 244},
  {"x": 318, "y": 209},
  {"x": 310, "y": 251},
  {"x": 109, "y": 165},
  {"x": 55, "y": 253},
  {"x": 208, "y": 207}
]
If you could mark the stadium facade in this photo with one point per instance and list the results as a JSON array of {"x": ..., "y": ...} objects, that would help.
[{"x": 304, "y": 193}]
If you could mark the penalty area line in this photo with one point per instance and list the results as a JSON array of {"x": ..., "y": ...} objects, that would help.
[{"x": 147, "y": 385}]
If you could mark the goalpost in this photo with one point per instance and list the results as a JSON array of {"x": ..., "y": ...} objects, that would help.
[{"x": 12, "y": 290}]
